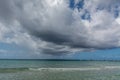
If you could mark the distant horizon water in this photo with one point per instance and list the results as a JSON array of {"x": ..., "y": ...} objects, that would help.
[{"x": 51, "y": 59}]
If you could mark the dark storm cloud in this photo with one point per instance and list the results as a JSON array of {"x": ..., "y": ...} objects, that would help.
[
  {"x": 6, "y": 9},
  {"x": 53, "y": 37},
  {"x": 52, "y": 27},
  {"x": 55, "y": 51}
]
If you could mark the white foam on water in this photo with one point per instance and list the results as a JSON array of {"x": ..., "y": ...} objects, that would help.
[
  {"x": 75, "y": 69},
  {"x": 64, "y": 69},
  {"x": 112, "y": 67}
]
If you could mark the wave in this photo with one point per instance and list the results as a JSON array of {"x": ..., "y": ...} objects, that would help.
[
  {"x": 45, "y": 69},
  {"x": 57, "y": 69},
  {"x": 63, "y": 69},
  {"x": 76, "y": 69},
  {"x": 112, "y": 67}
]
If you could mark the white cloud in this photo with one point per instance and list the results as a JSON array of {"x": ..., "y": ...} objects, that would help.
[
  {"x": 118, "y": 20},
  {"x": 51, "y": 27}
]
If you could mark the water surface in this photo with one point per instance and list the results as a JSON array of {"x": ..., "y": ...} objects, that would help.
[{"x": 59, "y": 70}]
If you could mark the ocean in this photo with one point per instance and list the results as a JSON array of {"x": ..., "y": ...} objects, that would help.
[{"x": 59, "y": 70}]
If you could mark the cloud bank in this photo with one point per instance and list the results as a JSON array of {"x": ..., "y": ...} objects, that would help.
[{"x": 54, "y": 27}]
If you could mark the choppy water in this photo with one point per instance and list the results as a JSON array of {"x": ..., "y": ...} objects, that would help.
[{"x": 59, "y": 70}]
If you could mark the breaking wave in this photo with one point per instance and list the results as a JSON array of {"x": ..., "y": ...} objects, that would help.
[
  {"x": 64, "y": 69},
  {"x": 56, "y": 69}
]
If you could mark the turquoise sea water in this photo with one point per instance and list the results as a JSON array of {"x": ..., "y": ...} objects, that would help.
[{"x": 59, "y": 70}]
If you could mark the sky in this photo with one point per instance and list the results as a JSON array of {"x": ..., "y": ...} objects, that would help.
[{"x": 60, "y": 29}]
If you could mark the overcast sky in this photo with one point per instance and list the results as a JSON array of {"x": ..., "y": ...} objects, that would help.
[{"x": 60, "y": 29}]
